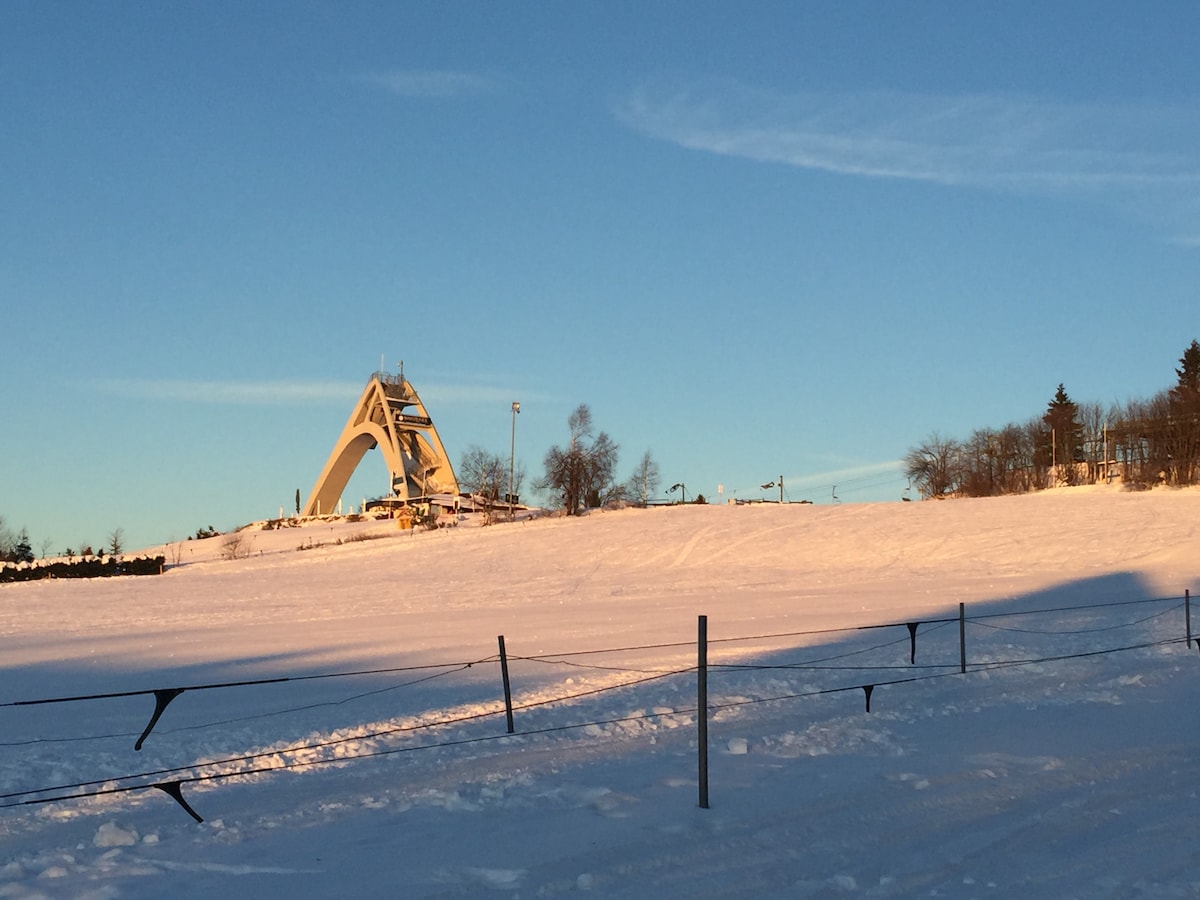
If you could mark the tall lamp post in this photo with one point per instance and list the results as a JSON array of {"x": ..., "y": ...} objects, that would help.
[{"x": 512, "y": 470}]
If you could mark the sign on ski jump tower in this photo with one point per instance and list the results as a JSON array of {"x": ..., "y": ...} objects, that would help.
[{"x": 389, "y": 415}]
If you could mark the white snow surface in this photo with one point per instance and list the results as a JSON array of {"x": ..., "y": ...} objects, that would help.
[{"x": 1067, "y": 775}]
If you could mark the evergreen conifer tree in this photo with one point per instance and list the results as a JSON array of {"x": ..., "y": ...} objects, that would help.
[
  {"x": 1065, "y": 439},
  {"x": 1189, "y": 371},
  {"x": 1182, "y": 431},
  {"x": 23, "y": 552}
]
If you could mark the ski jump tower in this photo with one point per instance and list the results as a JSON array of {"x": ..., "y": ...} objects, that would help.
[{"x": 389, "y": 415}]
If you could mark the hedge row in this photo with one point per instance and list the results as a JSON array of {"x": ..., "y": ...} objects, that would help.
[{"x": 85, "y": 568}]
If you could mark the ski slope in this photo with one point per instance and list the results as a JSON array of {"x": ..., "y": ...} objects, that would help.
[{"x": 364, "y": 751}]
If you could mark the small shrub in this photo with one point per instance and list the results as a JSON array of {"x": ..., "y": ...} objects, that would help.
[
  {"x": 366, "y": 536},
  {"x": 426, "y": 518},
  {"x": 235, "y": 546}
]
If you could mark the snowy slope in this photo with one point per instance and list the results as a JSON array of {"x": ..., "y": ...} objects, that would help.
[{"x": 1069, "y": 775}]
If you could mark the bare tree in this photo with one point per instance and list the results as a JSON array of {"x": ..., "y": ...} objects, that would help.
[
  {"x": 977, "y": 464},
  {"x": 643, "y": 483},
  {"x": 235, "y": 546},
  {"x": 601, "y": 470},
  {"x": 933, "y": 466},
  {"x": 8, "y": 542},
  {"x": 1131, "y": 444},
  {"x": 1093, "y": 419},
  {"x": 1015, "y": 460},
  {"x": 581, "y": 474},
  {"x": 485, "y": 476}
]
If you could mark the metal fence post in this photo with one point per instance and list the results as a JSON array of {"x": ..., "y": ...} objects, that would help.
[
  {"x": 702, "y": 707},
  {"x": 962, "y": 638},
  {"x": 1187, "y": 615},
  {"x": 507, "y": 690}
]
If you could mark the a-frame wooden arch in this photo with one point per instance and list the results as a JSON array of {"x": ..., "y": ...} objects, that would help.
[{"x": 390, "y": 415}]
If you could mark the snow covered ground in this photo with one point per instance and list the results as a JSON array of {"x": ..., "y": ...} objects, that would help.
[{"x": 1067, "y": 775}]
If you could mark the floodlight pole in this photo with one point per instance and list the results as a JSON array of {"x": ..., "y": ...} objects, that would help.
[{"x": 512, "y": 470}]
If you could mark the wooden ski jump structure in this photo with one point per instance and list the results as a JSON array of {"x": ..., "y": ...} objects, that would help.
[{"x": 389, "y": 415}]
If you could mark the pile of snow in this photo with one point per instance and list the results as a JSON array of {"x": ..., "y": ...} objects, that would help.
[{"x": 1071, "y": 774}]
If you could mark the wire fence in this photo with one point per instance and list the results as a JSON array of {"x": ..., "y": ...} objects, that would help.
[{"x": 744, "y": 671}]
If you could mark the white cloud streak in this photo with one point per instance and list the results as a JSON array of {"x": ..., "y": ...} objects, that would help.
[
  {"x": 1141, "y": 156},
  {"x": 233, "y": 393},
  {"x": 476, "y": 395},
  {"x": 892, "y": 469},
  {"x": 847, "y": 480},
  {"x": 287, "y": 393},
  {"x": 433, "y": 84}
]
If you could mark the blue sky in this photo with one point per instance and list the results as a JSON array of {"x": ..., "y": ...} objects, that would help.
[{"x": 777, "y": 239}]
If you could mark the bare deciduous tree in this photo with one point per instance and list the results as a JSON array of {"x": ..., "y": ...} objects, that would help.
[
  {"x": 581, "y": 475},
  {"x": 488, "y": 477},
  {"x": 8, "y": 542},
  {"x": 933, "y": 466},
  {"x": 643, "y": 483},
  {"x": 236, "y": 546}
]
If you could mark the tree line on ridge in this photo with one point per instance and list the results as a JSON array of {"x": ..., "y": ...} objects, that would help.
[{"x": 1141, "y": 443}]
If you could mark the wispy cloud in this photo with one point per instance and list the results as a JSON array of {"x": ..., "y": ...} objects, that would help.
[
  {"x": 866, "y": 470},
  {"x": 238, "y": 393},
  {"x": 290, "y": 393},
  {"x": 1143, "y": 154},
  {"x": 474, "y": 394},
  {"x": 878, "y": 478},
  {"x": 881, "y": 472},
  {"x": 433, "y": 83}
]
